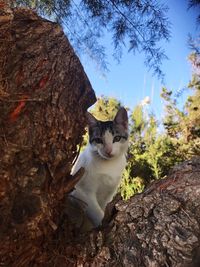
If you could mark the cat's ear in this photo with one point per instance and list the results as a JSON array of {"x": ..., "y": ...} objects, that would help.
[
  {"x": 122, "y": 118},
  {"x": 91, "y": 120}
]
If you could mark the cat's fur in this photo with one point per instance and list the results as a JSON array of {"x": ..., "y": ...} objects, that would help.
[{"x": 104, "y": 159}]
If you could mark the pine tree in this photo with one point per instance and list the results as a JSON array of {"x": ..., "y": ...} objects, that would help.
[
  {"x": 192, "y": 106},
  {"x": 183, "y": 127},
  {"x": 138, "y": 26}
]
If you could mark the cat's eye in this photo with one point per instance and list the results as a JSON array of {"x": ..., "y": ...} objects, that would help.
[
  {"x": 98, "y": 140},
  {"x": 117, "y": 138}
]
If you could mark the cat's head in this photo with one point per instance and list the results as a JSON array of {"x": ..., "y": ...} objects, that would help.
[{"x": 109, "y": 139}]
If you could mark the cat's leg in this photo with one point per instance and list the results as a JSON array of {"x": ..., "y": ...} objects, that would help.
[
  {"x": 94, "y": 211},
  {"x": 91, "y": 206},
  {"x": 107, "y": 197}
]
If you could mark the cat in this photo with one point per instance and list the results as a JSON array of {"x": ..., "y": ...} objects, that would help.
[{"x": 104, "y": 160}]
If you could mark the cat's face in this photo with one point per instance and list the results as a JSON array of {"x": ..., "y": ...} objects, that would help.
[{"x": 109, "y": 139}]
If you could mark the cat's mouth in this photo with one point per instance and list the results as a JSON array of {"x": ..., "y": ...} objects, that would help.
[{"x": 106, "y": 157}]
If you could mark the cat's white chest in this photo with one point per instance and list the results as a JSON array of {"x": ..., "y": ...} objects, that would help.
[
  {"x": 99, "y": 174},
  {"x": 111, "y": 168},
  {"x": 99, "y": 183}
]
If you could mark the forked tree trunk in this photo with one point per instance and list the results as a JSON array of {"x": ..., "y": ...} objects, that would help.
[{"x": 44, "y": 94}]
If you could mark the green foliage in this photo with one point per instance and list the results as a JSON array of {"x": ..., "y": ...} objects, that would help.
[
  {"x": 138, "y": 121},
  {"x": 184, "y": 126},
  {"x": 130, "y": 186},
  {"x": 172, "y": 114},
  {"x": 137, "y": 25},
  {"x": 149, "y": 151},
  {"x": 105, "y": 108}
]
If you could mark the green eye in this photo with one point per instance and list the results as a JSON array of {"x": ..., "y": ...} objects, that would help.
[
  {"x": 116, "y": 139},
  {"x": 98, "y": 140}
]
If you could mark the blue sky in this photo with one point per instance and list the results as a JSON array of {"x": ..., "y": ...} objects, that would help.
[{"x": 129, "y": 81}]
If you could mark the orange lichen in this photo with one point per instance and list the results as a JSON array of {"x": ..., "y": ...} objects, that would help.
[
  {"x": 43, "y": 81},
  {"x": 15, "y": 113}
]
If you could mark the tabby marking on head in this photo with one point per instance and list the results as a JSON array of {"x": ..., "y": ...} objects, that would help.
[{"x": 109, "y": 139}]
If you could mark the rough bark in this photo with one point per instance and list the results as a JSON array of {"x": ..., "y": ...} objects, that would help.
[
  {"x": 158, "y": 228},
  {"x": 44, "y": 94}
]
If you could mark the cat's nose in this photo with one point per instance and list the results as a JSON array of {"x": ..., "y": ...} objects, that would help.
[{"x": 109, "y": 151}]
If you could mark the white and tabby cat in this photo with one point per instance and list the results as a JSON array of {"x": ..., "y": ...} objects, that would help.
[{"x": 104, "y": 159}]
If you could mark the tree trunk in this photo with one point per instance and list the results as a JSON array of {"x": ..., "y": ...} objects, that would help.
[{"x": 44, "y": 94}]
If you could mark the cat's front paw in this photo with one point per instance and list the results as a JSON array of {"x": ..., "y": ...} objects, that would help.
[{"x": 97, "y": 217}]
